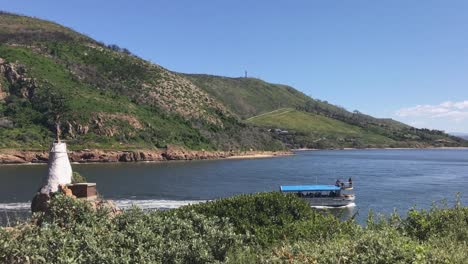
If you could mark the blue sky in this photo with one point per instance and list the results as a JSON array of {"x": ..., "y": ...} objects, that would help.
[{"x": 407, "y": 60}]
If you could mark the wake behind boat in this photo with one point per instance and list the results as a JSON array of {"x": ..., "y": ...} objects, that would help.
[{"x": 338, "y": 195}]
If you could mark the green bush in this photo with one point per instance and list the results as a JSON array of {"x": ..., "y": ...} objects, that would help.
[
  {"x": 384, "y": 246},
  {"x": 258, "y": 228},
  {"x": 73, "y": 232},
  {"x": 264, "y": 215},
  {"x": 67, "y": 212},
  {"x": 78, "y": 178},
  {"x": 437, "y": 222},
  {"x": 193, "y": 238},
  {"x": 267, "y": 218}
]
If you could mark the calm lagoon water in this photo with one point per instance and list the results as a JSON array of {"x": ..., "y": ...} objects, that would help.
[{"x": 384, "y": 180}]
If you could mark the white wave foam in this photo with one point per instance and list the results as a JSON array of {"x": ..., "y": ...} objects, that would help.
[
  {"x": 331, "y": 207},
  {"x": 155, "y": 204},
  {"x": 122, "y": 204},
  {"x": 15, "y": 206}
]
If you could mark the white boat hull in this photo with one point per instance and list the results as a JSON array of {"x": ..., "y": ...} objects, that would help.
[{"x": 330, "y": 201}]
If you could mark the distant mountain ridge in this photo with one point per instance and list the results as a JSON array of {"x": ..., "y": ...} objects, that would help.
[
  {"x": 108, "y": 98},
  {"x": 313, "y": 123},
  {"x": 460, "y": 135}
]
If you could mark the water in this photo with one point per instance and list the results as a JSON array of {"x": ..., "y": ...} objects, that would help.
[{"x": 384, "y": 180}]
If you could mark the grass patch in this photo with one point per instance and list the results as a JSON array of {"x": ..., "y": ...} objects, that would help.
[{"x": 318, "y": 131}]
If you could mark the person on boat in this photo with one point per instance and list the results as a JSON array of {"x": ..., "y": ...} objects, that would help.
[
  {"x": 337, "y": 183},
  {"x": 350, "y": 182}
]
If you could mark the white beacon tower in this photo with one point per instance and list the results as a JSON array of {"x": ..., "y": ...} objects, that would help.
[{"x": 60, "y": 170}]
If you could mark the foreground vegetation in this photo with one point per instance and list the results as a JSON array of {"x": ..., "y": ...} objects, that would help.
[{"x": 259, "y": 228}]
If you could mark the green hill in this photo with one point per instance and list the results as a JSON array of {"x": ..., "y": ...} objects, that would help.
[
  {"x": 300, "y": 129},
  {"x": 248, "y": 97},
  {"x": 104, "y": 97},
  {"x": 254, "y": 100},
  {"x": 110, "y": 98}
]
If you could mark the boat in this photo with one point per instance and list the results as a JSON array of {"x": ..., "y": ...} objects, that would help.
[{"x": 323, "y": 195}]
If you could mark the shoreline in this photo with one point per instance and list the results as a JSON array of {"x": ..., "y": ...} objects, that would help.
[
  {"x": 262, "y": 156},
  {"x": 173, "y": 153}
]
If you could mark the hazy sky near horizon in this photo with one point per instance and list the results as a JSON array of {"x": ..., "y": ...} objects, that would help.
[{"x": 406, "y": 60}]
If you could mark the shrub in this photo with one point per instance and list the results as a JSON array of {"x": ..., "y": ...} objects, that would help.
[
  {"x": 67, "y": 212},
  {"x": 73, "y": 232},
  {"x": 266, "y": 218},
  {"x": 384, "y": 246},
  {"x": 424, "y": 224},
  {"x": 78, "y": 178},
  {"x": 278, "y": 228}
]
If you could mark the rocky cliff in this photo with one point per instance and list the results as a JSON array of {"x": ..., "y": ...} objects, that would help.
[{"x": 96, "y": 155}]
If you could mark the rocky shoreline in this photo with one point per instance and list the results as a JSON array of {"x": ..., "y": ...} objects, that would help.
[{"x": 97, "y": 156}]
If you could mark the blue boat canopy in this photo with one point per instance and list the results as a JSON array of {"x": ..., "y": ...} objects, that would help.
[{"x": 308, "y": 188}]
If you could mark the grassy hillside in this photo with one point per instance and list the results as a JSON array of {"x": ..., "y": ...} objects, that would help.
[
  {"x": 248, "y": 97},
  {"x": 300, "y": 129},
  {"x": 314, "y": 123},
  {"x": 110, "y": 98}
]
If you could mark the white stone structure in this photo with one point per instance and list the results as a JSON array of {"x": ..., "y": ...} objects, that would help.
[{"x": 60, "y": 171}]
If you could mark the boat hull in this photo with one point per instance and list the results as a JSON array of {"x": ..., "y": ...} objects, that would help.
[{"x": 330, "y": 201}]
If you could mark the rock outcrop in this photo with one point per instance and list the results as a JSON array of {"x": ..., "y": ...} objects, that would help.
[
  {"x": 15, "y": 75},
  {"x": 90, "y": 156}
]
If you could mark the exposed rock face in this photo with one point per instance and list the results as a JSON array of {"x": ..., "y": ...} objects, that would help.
[
  {"x": 6, "y": 123},
  {"x": 15, "y": 75},
  {"x": 14, "y": 156},
  {"x": 177, "y": 94},
  {"x": 178, "y": 153},
  {"x": 89, "y": 156},
  {"x": 102, "y": 124},
  {"x": 3, "y": 89}
]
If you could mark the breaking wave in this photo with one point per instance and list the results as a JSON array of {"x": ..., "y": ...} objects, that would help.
[
  {"x": 15, "y": 206},
  {"x": 154, "y": 204},
  {"x": 121, "y": 203},
  {"x": 332, "y": 207}
]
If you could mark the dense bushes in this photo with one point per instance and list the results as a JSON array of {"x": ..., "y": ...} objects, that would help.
[
  {"x": 270, "y": 217},
  {"x": 435, "y": 236},
  {"x": 73, "y": 232},
  {"x": 259, "y": 228},
  {"x": 366, "y": 247}
]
